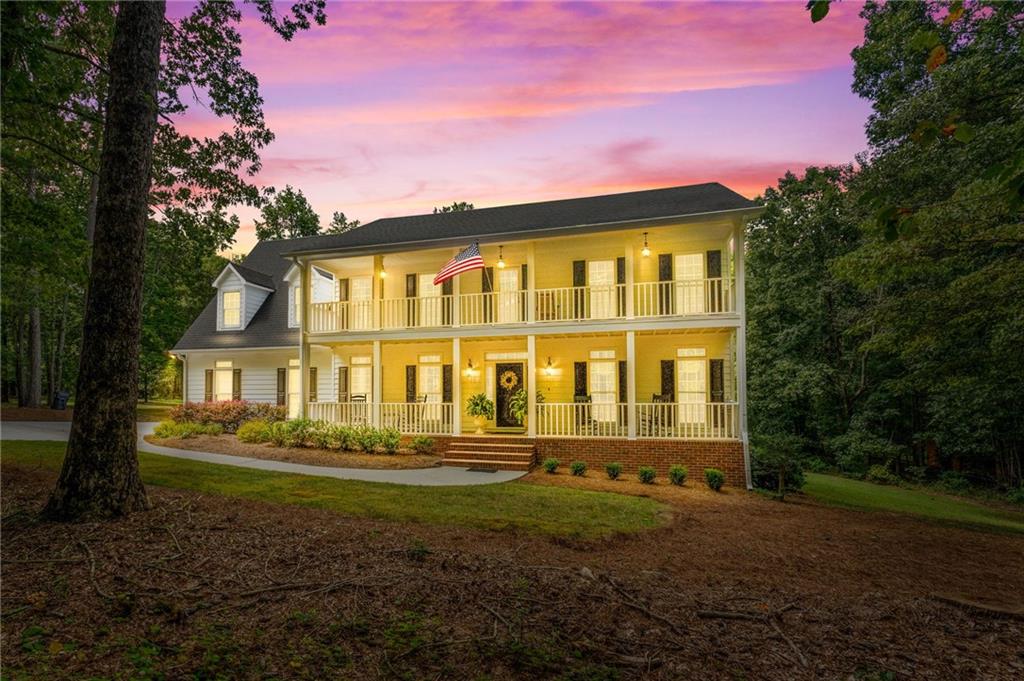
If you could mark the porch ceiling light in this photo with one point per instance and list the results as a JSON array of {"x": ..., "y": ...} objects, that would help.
[
  {"x": 549, "y": 369},
  {"x": 501, "y": 260},
  {"x": 646, "y": 250}
]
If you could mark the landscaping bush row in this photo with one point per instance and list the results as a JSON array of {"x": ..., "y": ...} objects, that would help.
[
  {"x": 185, "y": 430},
  {"x": 228, "y": 415},
  {"x": 677, "y": 473},
  {"x": 324, "y": 435}
]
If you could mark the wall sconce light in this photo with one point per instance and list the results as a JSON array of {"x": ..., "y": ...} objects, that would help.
[
  {"x": 470, "y": 370},
  {"x": 383, "y": 274},
  {"x": 501, "y": 260},
  {"x": 646, "y": 250},
  {"x": 549, "y": 369}
]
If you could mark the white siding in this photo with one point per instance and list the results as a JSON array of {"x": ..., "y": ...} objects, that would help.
[
  {"x": 259, "y": 371},
  {"x": 253, "y": 299},
  {"x": 325, "y": 389}
]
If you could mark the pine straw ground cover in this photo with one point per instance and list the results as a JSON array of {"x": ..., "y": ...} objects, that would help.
[
  {"x": 735, "y": 586},
  {"x": 229, "y": 444}
]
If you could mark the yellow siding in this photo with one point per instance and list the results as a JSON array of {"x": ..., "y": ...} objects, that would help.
[{"x": 652, "y": 349}]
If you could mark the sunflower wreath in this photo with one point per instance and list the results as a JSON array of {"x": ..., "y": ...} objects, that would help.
[{"x": 509, "y": 380}]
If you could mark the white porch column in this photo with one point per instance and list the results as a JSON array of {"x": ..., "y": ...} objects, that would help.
[
  {"x": 378, "y": 384},
  {"x": 377, "y": 290},
  {"x": 531, "y": 283},
  {"x": 531, "y": 388},
  {"x": 456, "y": 304},
  {"x": 631, "y": 384},
  {"x": 456, "y": 386},
  {"x": 629, "y": 280},
  {"x": 741, "y": 344},
  {"x": 303, "y": 340}
]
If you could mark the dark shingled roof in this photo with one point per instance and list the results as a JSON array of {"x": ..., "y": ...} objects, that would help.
[
  {"x": 266, "y": 264},
  {"x": 254, "y": 277},
  {"x": 269, "y": 328},
  {"x": 649, "y": 204}
]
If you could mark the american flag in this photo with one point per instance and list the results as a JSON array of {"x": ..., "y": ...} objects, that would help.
[{"x": 469, "y": 258}]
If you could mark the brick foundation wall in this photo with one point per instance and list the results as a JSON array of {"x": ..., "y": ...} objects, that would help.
[{"x": 696, "y": 455}]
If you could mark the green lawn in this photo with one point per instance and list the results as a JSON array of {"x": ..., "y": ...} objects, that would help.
[
  {"x": 840, "y": 491},
  {"x": 533, "y": 508},
  {"x": 155, "y": 410}
]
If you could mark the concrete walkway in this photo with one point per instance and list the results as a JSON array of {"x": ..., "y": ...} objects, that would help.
[{"x": 438, "y": 476}]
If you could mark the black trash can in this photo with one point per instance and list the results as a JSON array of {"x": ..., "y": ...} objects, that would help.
[{"x": 60, "y": 400}]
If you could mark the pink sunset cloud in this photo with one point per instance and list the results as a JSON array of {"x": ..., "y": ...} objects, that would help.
[{"x": 394, "y": 108}]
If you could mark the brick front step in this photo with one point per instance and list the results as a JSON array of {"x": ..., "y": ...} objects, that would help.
[
  {"x": 484, "y": 463},
  {"x": 493, "y": 456}
]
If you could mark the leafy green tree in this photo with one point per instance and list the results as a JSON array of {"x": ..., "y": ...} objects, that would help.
[
  {"x": 287, "y": 215},
  {"x": 340, "y": 224},
  {"x": 455, "y": 207}
]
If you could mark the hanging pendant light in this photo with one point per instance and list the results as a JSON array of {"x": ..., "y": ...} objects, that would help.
[{"x": 501, "y": 260}]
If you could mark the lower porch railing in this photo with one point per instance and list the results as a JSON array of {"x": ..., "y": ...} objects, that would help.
[
  {"x": 410, "y": 418},
  {"x": 676, "y": 420}
]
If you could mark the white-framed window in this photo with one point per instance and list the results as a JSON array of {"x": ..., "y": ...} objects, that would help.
[
  {"x": 360, "y": 296},
  {"x": 601, "y": 280},
  {"x": 223, "y": 380},
  {"x": 360, "y": 377},
  {"x": 691, "y": 352},
  {"x": 231, "y": 309},
  {"x": 603, "y": 394},
  {"x": 691, "y": 387},
  {"x": 294, "y": 305},
  {"x": 508, "y": 295},
  {"x": 689, "y": 272}
]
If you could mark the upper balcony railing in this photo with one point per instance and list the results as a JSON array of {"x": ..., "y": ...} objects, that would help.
[{"x": 694, "y": 297}]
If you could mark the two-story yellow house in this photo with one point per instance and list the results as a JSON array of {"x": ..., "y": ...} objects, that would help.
[{"x": 620, "y": 317}]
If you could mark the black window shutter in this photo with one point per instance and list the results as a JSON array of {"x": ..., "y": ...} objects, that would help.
[
  {"x": 343, "y": 289},
  {"x": 282, "y": 386},
  {"x": 312, "y": 384},
  {"x": 410, "y": 286},
  {"x": 208, "y": 390},
  {"x": 236, "y": 384},
  {"x": 410, "y": 382},
  {"x": 447, "y": 373},
  {"x": 446, "y": 306},
  {"x": 522, "y": 297},
  {"x": 620, "y": 279},
  {"x": 579, "y": 370},
  {"x": 714, "y": 271},
  {"x": 665, "y": 289},
  {"x": 487, "y": 286},
  {"x": 622, "y": 381},
  {"x": 410, "y": 304},
  {"x": 523, "y": 276},
  {"x": 343, "y": 384},
  {"x": 717, "y": 371},
  {"x": 579, "y": 296},
  {"x": 668, "y": 379}
]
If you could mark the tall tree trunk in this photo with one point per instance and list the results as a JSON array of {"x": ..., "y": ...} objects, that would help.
[
  {"x": 35, "y": 354},
  {"x": 90, "y": 218},
  {"x": 58, "y": 355},
  {"x": 19, "y": 360},
  {"x": 100, "y": 475}
]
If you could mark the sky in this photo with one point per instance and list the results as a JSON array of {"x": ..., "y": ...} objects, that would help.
[{"x": 394, "y": 108}]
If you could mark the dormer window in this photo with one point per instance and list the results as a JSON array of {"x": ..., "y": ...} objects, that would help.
[{"x": 231, "y": 309}]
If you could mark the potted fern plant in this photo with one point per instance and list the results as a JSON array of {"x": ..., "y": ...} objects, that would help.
[
  {"x": 481, "y": 408},
  {"x": 519, "y": 404}
]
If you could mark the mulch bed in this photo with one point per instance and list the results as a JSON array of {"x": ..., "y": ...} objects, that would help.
[
  {"x": 736, "y": 586},
  {"x": 229, "y": 444}
]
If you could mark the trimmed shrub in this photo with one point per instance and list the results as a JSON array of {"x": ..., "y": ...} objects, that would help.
[
  {"x": 389, "y": 439},
  {"x": 880, "y": 475},
  {"x": 183, "y": 431},
  {"x": 614, "y": 470},
  {"x": 320, "y": 435},
  {"x": 421, "y": 444},
  {"x": 954, "y": 482},
  {"x": 255, "y": 431},
  {"x": 578, "y": 468},
  {"x": 715, "y": 478},
  {"x": 551, "y": 465},
  {"x": 295, "y": 433},
  {"x": 229, "y": 415},
  {"x": 646, "y": 475},
  {"x": 677, "y": 474}
]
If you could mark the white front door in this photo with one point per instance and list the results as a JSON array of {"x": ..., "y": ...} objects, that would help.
[
  {"x": 689, "y": 275},
  {"x": 361, "y": 300},
  {"x": 601, "y": 280},
  {"x": 508, "y": 295},
  {"x": 430, "y": 301},
  {"x": 691, "y": 387}
]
